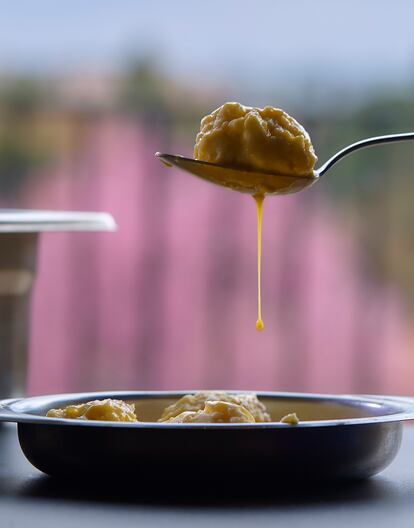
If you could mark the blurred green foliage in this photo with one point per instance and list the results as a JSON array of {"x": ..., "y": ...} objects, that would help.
[
  {"x": 374, "y": 188},
  {"x": 17, "y": 159},
  {"x": 20, "y": 98},
  {"x": 21, "y": 101}
]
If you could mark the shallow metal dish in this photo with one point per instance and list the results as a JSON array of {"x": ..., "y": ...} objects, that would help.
[{"x": 339, "y": 437}]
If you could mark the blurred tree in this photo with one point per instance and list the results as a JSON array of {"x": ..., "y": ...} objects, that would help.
[
  {"x": 21, "y": 100},
  {"x": 17, "y": 159},
  {"x": 141, "y": 92},
  {"x": 156, "y": 99},
  {"x": 376, "y": 186}
]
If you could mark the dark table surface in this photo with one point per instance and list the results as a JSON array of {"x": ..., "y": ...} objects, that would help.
[{"x": 30, "y": 499}]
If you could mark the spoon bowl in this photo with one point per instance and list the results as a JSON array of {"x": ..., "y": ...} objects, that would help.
[
  {"x": 268, "y": 183},
  {"x": 242, "y": 180}
]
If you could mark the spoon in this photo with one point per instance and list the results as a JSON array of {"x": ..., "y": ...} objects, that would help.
[{"x": 265, "y": 182}]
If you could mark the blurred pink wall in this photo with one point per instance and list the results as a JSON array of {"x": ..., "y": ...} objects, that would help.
[{"x": 169, "y": 300}]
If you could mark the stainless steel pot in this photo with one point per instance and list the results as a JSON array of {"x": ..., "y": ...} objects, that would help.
[{"x": 20, "y": 232}]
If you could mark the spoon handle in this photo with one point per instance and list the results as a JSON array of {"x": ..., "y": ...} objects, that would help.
[{"x": 369, "y": 142}]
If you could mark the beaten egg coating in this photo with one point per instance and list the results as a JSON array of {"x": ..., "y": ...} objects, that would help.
[
  {"x": 262, "y": 139},
  {"x": 196, "y": 402},
  {"x": 107, "y": 410},
  {"x": 215, "y": 412},
  {"x": 290, "y": 418}
]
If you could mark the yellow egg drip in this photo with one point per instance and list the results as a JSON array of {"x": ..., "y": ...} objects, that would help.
[{"x": 259, "y": 204}]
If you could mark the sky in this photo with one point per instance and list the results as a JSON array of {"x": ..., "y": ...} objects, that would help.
[{"x": 256, "y": 42}]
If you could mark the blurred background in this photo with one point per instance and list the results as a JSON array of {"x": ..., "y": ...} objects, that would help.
[{"x": 90, "y": 90}]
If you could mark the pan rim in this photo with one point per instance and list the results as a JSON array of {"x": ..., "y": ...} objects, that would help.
[{"x": 402, "y": 409}]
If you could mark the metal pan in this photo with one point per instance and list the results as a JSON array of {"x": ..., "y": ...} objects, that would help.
[{"x": 338, "y": 437}]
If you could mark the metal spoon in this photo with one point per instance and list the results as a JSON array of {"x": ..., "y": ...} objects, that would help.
[{"x": 254, "y": 182}]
